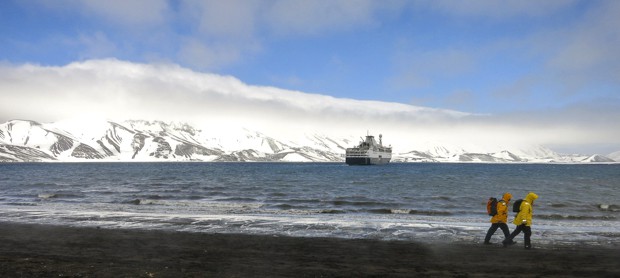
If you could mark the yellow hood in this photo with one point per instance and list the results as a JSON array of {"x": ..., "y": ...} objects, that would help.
[{"x": 531, "y": 197}]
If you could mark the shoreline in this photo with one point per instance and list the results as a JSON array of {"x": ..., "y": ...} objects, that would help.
[{"x": 35, "y": 250}]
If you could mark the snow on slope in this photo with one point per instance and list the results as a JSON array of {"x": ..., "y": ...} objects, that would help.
[
  {"x": 615, "y": 156},
  {"x": 103, "y": 140},
  {"x": 598, "y": 158},
  {"x": 152, "y": 141}
]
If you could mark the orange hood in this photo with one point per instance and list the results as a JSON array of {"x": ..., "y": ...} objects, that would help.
[{"x": 507, "y": 196}]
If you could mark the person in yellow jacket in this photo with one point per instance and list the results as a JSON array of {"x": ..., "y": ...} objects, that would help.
[
  {"x": 523, "y": 220},
  {"x": 499, "y": 220}
]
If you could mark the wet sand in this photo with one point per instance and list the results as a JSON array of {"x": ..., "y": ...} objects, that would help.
[{"x": 46, "y": 251}]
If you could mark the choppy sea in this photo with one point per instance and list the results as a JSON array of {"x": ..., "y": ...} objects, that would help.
[{"x": 578, "y": 204}]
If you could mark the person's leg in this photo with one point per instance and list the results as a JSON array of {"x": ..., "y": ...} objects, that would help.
[
  {"x": 490, "y": 232},
  {"x": 504, "y": 228},
  {"x": 527, "y": 233},
  {"x": 513, "y": 235}
]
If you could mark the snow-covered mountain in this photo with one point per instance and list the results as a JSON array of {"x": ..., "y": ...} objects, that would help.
[
  {"x": 615, "y": 156},
  {"x": 103, "y": 140},
  {"x": 152, "y": 141}
]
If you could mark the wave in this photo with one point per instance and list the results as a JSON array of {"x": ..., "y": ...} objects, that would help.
[
  {"x": 213, "y": 188},
  {"x": 200, "y": 205},
  {"x": 164, "y": 178},
  {"x": 444, "y": 198},
  {"x": 285, "y": 207},
  {"x": 586, "y": 207},
  {"x": 170, "y": 197},
  {"x": 155, "y": 184},
  {"x": 215, "y": 193},
  {"x": 146, "y": 202},
  {"x": 143, "y": 201},
  {"x": 608, "y": 207},
  {"x": 45, "y": 196},
  {"x": 278, "y": 194},
  {"x": 134, "y": 202},
  {"x": 407, "y": 211},
  {"x": 25, "y": 204},
  {"x": 357, "y": 203},
  {"x": 236, "y": 199},
  {"x": 359, "y": 182},
  {"x": 333, "y": 211},
  {"x": 154, "y": 197},
  {"x": 429, "y": 212},
  {"x": 282, "y": 206},
  {"x": 575, "y": 217},
  {"x": 39, "y": 184},
  {"x": 297, "y": 201},
  {"x": 380, "y": 211}
]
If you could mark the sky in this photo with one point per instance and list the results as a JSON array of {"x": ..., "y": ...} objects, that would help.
[{"x": 541, "y": 72}]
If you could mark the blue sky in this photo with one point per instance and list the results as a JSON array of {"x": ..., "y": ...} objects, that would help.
[{"x": 531, "y": 59}]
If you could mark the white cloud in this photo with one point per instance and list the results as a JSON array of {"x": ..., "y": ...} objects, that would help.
[
  {"x": 231, "y": 20},
  {"x": 96, "y": 45},
  {"x": 113, "y": 84},
  {"x": 129, "y": 14},
  {"x": 314, "y": 17},
  {"x": 122, "y": 90},
  {"x": 566, "y": 63},
  {"x": 418, "y": 69},
  {"x": 207, "y": 34},
  {"x": 224, "y": 32},
  {"x": 588, "y": 52},
  {"x": 500, "y": 10},
  {"x": 203, "y": 55},
  {"x": 141, "y": 12},
  {"x": 574, "y": 62}
]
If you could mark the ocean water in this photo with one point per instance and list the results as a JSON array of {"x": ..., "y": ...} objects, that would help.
[{"x": 578, "y": 204}]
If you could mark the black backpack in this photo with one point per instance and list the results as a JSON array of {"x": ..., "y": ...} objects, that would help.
[
  {"x": 516, "y": 207},
  {"x": 492, "y": 206}
]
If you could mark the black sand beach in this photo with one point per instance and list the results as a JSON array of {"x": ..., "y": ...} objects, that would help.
[{"x": 55, "y": 251}]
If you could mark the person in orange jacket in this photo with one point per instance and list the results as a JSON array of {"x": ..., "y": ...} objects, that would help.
[
  {"x": 523, "y": 220},
  {"x": 499, "y": 220}
]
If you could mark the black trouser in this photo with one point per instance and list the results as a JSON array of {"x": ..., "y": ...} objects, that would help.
[
  {"x": 527, "y": 233},
  {"x": 493, "y": 228}
]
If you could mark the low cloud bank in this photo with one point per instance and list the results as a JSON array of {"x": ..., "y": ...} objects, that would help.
[{"x": 123, "y": 90}]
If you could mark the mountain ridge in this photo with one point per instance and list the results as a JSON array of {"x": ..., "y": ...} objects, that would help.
[{"x": 140, "y": 140}]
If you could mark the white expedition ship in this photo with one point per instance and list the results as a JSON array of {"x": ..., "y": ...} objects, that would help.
[{"x": 369, "y": 152}]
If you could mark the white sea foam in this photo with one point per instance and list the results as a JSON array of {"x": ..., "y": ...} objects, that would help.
[
  {"x": 426, "y": 202},
  {"x": 46, "y": 195},
  {"x": 386, "y": 227}
]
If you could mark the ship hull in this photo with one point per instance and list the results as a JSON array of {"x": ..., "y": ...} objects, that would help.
[{"x": 366, "y": 161}]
